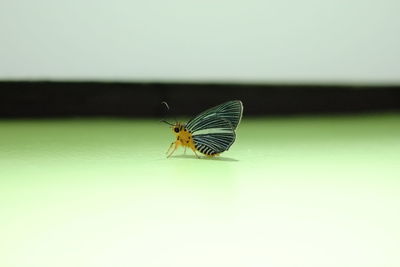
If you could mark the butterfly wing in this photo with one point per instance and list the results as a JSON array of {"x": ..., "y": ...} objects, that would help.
[
  {"x": 213, "y": 135},
  {"x": 231, "y": 111},
  {"x": 214, "y": 129}
]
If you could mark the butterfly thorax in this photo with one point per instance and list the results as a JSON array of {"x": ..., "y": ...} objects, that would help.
[{"x": 183, "y": 136}]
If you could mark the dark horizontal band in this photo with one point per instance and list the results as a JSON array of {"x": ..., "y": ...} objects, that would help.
[{"x": 61, "y": 99}]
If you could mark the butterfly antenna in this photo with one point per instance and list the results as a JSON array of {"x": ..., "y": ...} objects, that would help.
[
  {"x": 167, "y": 106},
  {"x": 164, "y": 121}
]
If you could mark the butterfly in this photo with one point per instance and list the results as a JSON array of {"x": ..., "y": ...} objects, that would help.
[{"x": 211, "y": 132}]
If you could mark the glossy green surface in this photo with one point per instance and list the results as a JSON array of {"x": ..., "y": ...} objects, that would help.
[{"x": 306, "y": 191}]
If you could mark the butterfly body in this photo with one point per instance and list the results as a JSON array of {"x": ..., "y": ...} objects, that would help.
[
  {"x": 183, "y": 136},
  {"x": 211, "y": 132}
]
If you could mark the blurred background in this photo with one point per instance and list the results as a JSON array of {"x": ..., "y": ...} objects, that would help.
[
  {"x": 312, "y": 179},
  {"x": 304, "y": 56},
  {"x": 309, "y": 41}
]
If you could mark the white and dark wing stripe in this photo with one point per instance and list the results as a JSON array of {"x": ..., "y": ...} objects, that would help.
[
  {"x": 215, "y": 136},
  {"x": 230, "y": 111}
]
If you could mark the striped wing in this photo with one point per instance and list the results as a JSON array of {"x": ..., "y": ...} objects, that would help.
[
  {"x": 230, "y": 111},
  {"x": 213, "y": 135}
]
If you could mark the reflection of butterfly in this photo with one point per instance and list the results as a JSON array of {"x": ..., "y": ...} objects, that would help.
[{"x": 211, "y": 132}]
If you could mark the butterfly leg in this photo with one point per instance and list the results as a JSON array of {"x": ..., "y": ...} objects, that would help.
[
  {"x": 170, "y": 147},
  {"x": 184, "y": 152},
  {"x": 194, "y": 150},
  {"x": 172, "y": 152}
]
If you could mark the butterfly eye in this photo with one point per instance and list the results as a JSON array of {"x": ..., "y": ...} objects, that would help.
[{"x": 176, "y": 129}]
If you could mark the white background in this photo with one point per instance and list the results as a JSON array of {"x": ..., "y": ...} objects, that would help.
[{"x": 341, "y": 41}]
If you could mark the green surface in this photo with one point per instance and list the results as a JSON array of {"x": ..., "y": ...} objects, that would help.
[{"x": 290, "y": 192}]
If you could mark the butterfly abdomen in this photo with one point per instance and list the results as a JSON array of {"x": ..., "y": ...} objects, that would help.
[{"x": 205, "y": 150}]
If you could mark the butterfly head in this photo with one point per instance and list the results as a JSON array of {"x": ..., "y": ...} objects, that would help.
[{"x": 176, "y": 127}]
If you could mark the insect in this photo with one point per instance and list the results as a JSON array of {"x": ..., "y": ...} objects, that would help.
[{"x": 211, "y": 132}]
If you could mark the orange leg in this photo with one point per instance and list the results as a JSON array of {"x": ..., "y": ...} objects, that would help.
[{"x": 176, "y": 146}]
